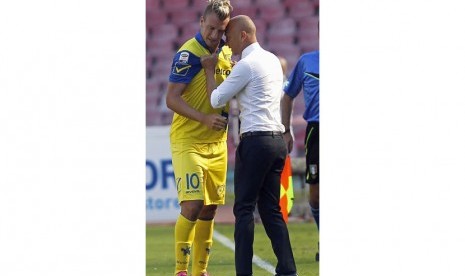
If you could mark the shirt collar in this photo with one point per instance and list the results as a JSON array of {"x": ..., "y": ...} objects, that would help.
[
  {"x": 199, "y": 38},
  {"x": 249, "y": 49}
]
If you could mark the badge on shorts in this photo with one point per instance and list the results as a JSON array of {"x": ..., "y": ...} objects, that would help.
[
  {"x": 221, "y": 190},
  {"x": 313, "y": 170}
]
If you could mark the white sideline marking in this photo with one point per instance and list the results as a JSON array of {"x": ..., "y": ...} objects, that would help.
[{"x": 256, "y": 260}]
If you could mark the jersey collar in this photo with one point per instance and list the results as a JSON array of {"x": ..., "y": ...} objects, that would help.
[{"x": 199, "y": 38}]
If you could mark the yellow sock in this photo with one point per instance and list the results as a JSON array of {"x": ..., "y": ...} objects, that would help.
[
  {"x": 184, "y": 235},
  {"x": 202, "y": 243}
]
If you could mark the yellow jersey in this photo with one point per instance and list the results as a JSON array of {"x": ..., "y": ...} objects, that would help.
[{"x": 186, "y": 68}]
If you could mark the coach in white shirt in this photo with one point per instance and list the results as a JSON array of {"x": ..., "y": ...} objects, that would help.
[{"x": 256, "y": 81}]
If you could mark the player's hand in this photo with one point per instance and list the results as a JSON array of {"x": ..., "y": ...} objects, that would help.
[
  {"x": 209, "y": 62},
  {"x": 289, "y": 140},
  {"x": 215, "y": 121}
]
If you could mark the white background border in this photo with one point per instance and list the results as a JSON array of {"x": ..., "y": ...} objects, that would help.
[{"x": 72, "y": 142}]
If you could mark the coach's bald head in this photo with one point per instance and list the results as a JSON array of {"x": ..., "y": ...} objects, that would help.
[
  {"x": 240, "y": 33},
  {"x": 244, "y": 23}
]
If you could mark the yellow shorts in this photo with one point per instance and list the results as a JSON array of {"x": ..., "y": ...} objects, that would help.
[{"x": 200, "y": 171}]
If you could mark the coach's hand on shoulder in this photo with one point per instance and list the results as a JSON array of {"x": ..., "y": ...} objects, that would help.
[
  {"x": 209, "y": 62},
  {"x": 215, "y": 121}
]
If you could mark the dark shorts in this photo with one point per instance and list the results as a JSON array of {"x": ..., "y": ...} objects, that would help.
[{"x": 312, "y": 153}]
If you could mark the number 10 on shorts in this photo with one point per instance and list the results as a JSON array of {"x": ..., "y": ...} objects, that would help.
[{"x": 192, "y": 181}]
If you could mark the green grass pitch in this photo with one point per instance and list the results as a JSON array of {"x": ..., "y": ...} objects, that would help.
[{"x": 304, "y": 240}]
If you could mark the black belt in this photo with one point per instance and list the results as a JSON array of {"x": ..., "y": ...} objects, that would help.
[{"x": 261, "y": 133}]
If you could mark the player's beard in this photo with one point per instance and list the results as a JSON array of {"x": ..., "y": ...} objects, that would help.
[{"x": 213, "y": 45}]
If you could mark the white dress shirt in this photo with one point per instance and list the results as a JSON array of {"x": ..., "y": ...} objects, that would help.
[{"x": 256, "y": 81}]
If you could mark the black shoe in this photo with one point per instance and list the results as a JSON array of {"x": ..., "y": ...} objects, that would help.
[{"x": 317, "y": 256}]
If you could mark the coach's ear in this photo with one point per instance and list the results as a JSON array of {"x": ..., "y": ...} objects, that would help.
[{"x": 243, "y": 36}]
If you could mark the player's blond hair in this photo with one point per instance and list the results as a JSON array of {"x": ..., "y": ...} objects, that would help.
[{"x": 222, "y": 8}]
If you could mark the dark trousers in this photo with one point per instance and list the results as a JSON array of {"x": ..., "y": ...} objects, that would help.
[{"x": 257, "y": 176}]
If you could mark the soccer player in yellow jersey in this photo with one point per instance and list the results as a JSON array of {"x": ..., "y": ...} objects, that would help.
[{"x": 198, "y": 139}]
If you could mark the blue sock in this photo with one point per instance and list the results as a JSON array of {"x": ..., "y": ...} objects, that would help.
[{"x": 316, "y": 216}]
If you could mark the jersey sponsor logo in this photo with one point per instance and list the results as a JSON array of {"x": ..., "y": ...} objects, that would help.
[
  {"x": 181, "y": 69},
  {"x": 220, "y": 71},
  {"x": 184, "y": 57}
]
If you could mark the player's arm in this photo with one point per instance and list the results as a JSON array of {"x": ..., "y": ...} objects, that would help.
[
  {"x": 175, "y": 102},
  {"x": 209, "y": 64},
  {"x": 286, "y": 114}
]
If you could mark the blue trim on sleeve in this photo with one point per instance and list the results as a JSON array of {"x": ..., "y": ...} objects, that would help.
[
  {"x": 199, "y": 38},
  {"x": 185, "y": 67}
]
